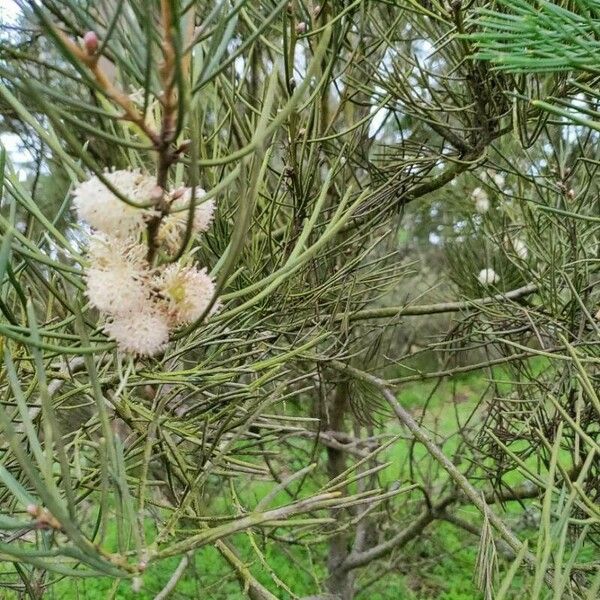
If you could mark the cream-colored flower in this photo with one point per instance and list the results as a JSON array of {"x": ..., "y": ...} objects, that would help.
[
  {"x": 520, "y": 249},
  {"x": 142, "y": 333},
  {"x": 104, "y": 211},
  {"x": 488, "y": 277},
  {"x": 481, "y": 200},
  {"x": 118, "y": 277},
  {"x": 499, "y": 179},
  {"x": 187, "y": 292},
  {"x": 173, "y": 227},
  {"x": 203, "y": 209},
  {"x": 516, "y": 245}
]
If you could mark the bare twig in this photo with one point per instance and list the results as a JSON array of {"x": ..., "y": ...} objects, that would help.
[
  {"x": 474, "y": 495},
  {"x": 175, "y": 577}
]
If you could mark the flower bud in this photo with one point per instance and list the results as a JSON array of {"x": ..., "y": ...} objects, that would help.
[
  {"x": 156, "y": 193},
  {"x": 90, "y": 42}
]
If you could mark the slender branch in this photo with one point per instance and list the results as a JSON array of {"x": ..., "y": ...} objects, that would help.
[
  {"x": 253, "y": 588},
  {"x": 92, "y": 62},
  {"x": 436, "y": 512},
  {"x": 387, "y": 312},
  {"x": 441, "y": 307},
  {"x": 175, "y": 578},
  {"x": 474, "y": 495},
  {"x": 267, "y": 518},
  {"x": 168, "y": 99},
  {"x": 462, "y": 523},
  {"x": 360, "y": 559},
  {"x": 339, "y": 441},
  {"x": 446, "y": 176}
]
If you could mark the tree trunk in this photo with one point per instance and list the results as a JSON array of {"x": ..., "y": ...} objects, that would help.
[{"x": 340, "y": 582}]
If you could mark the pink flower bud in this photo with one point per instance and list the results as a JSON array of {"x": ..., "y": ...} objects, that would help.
[
  {"x": 301, "y": 28},
  {"x": 156, "y": 193},
  {"x": 90, "y": 42}
]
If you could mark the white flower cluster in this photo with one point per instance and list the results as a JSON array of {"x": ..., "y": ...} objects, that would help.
[
  {"x": 488, "y": 277},
  {"x": 481, "y": 200},
  {"x": 140, "y": 303},
  {"x": 498, "y": 179}
]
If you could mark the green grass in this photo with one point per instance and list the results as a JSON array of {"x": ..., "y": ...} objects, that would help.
[{"x": 210, "y": 577}]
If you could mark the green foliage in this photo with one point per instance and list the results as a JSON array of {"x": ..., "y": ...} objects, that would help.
[
  {"x": 558, "y": 38},
  {"x": 544, "y": 36}
]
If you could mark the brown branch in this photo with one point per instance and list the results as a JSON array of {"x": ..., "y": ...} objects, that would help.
[
  {"x": 459, "y": 522},
  {"x": 441, "y": 307},
  {"x": 429, "y": 515},
  {"x": 387, "y": 312},
  {"x": 253, "y": 588},
  {"x": 131, "y": 113},
  {"x": 360, "y": 559},
  {"x": 340, "y": 580},
  {"x": 269, "y": 518},
  {"x": 339, "y": 441},
  {"x": 162, "y": 141},
  {"x": 436, "y": 512},
  {"x": 445, "y": 177},
  {"x": 474, "y": 496},
  {"x": 175, "y": 578},
  {"x": 169, "y": 100}
]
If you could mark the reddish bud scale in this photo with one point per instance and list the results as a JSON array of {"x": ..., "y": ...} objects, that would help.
[{"x": 90, "y": 42}]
